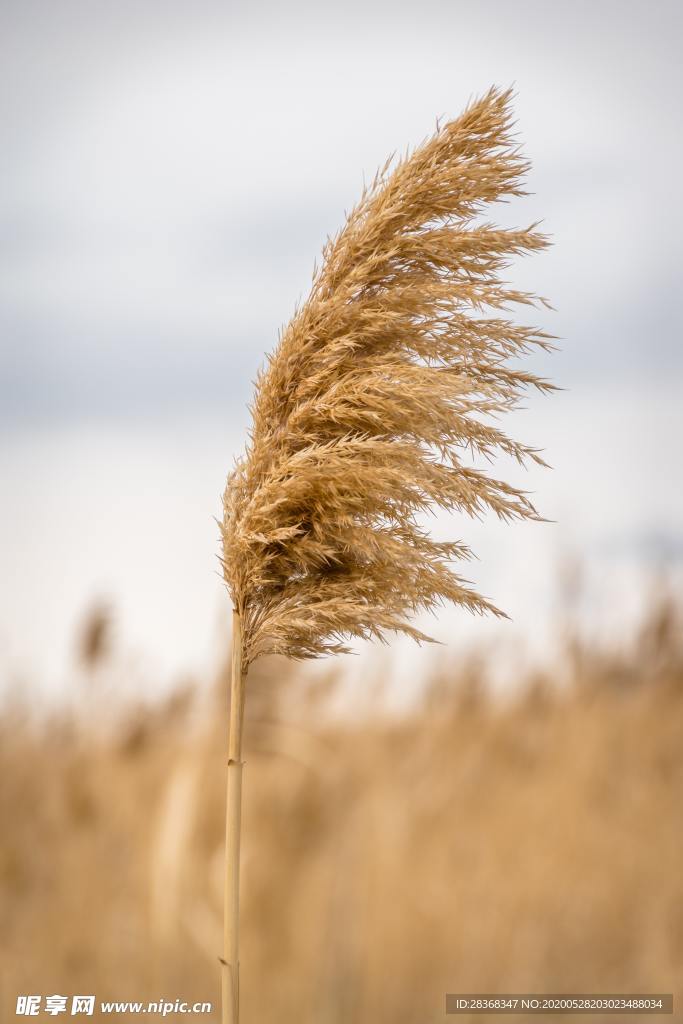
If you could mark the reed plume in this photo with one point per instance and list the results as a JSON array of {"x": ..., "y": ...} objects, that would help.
[{"x": 389, "y": 378}]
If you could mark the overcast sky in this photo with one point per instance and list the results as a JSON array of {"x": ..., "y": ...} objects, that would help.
[{"x": 169, "y": 172}]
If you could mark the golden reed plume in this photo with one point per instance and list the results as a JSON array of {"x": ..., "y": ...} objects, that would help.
[
  {"x": 383, "y": 381},
  {"x": 387, "y": 378}
]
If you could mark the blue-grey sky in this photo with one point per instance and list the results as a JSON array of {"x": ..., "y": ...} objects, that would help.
[{"x": 168, "y": 174}]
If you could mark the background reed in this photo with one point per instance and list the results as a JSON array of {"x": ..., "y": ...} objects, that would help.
[{"x": 547, "y": 828}]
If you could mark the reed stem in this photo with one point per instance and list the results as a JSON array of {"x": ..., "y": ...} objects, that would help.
[{"x": 230, "y": 984}]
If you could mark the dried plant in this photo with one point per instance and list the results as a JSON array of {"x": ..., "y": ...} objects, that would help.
[
  {"x": 379, "y": 388},
  {"x": 387, "y": 380}
]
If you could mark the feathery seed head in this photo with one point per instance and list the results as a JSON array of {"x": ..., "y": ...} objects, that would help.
[{"x": 381, "y": 384}]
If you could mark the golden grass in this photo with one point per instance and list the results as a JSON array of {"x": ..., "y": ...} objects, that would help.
[
  {"x": 545, "y": 833},
  {"x": 385, "y": 383}
]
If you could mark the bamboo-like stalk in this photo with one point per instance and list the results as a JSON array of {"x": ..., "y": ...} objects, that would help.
[{"x": 230, "y": 972}]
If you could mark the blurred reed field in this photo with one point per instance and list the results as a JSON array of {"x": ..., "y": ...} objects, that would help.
[{"x": 545, "y": 831}]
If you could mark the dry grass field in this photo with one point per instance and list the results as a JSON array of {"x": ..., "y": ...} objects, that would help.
[{"x": 545, "y": 834}]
